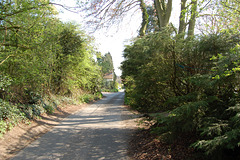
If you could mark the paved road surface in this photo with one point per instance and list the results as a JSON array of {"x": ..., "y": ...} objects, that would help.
[{"x": 99, "y": 131}]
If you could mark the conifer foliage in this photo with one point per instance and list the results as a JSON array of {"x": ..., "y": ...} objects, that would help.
[
  {"x": 194, "y": 80},
  {"x": 107, "y": 70}
]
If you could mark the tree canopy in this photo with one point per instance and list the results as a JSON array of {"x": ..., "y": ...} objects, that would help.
[{"x": 41, "y": 58}]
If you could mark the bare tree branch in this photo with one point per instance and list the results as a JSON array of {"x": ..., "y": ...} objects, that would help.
[
  {"x": 230, "y": 7},
  {"x": 68, "y": 8},
  {"x": 6, "y": 59},
  {"x": 102, "y": 13}
]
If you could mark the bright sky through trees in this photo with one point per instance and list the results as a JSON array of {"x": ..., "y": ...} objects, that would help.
[
  {"x": 108, "y": 40},
  {"x": 113, "y": 39}
]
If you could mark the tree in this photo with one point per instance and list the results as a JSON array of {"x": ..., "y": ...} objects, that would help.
[
  {"x": 42, "y": 61},
  {"x": 194, "y": 79},
  {"x": 107, "y": 68},
  {"x": 107, "y": 12},
  {"x": 164, "y": 10},
  {"x": 145, "y": 18},
  {"x": 192, "y": 21},
  {"x": 182, "y": 20},
  {"x": 106, "y": 63},
  {"x": 152, "y": 20},
  {"x": 38, "y": 52},
  {"x": 229, "y": 15}
]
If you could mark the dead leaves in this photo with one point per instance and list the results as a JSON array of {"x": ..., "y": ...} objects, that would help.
[{"x": 145, "y": 146}]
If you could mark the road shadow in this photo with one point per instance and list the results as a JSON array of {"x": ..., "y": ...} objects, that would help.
[
  {"x": 86, "y": 135},
  {"x": 82, "y": 144}
]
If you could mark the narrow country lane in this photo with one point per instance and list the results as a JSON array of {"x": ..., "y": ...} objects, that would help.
[{"x": 99, "y": 131}]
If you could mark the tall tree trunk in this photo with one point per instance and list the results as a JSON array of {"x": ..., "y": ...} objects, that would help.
[
  {"x": 182, "y": 20},
  {"x": 192, "y": 20},
  {"x": 164, "y": 11},
  {"x": 144, "y": 18}
]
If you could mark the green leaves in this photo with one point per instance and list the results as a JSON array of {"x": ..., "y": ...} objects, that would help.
[
  {"x": 41, "y": 58},
  {"x": 147, "y": 62},
  {"x": 5, "y": 81},
  {"x": 195, "y": 80},
  {"x": 10, "y": 116}
]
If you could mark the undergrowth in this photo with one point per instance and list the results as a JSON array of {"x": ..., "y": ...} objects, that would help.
[
  {"x": 13, "y": 114},
  {"x": 109, "y": 90}
]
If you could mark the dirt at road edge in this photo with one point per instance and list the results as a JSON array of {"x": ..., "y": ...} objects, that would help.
[{"x": 23, "y": 134}]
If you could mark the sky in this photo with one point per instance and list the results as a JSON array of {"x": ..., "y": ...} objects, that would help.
[{"x": 114, "y": 39}]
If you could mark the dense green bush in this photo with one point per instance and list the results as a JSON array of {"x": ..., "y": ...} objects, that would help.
[
  {"x": 147, "y": 71},
  {"x": 195, "y": 80},
  {"x": 85, "y": 98},
  {"x": 220, "y": 128}
]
